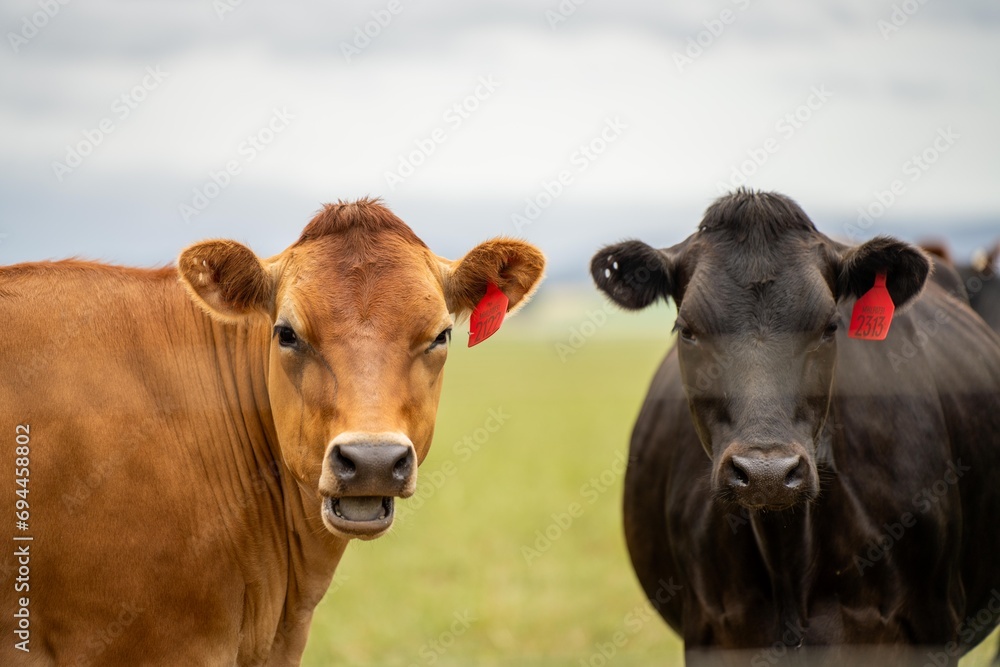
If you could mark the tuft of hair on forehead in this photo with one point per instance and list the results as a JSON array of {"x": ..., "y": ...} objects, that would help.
[
  {"x": 364, "y": 217},
  {"x": 758, "y": 234},
  {"x": 755, "y": 216}
]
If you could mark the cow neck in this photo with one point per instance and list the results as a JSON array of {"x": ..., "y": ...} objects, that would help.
[
  {"x": 276, "y": 503},
  {"x": 784, "y": 540}
]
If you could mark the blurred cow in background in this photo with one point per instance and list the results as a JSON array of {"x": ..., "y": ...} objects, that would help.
[{"x": 980, "y": 279}]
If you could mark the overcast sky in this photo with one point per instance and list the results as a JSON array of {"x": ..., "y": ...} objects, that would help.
[{"x": 643, "y": 111}]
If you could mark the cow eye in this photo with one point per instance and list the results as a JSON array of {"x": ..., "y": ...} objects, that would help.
[
  {"x": 286, "y": 336},
  {"x": 442, "y": 339},
  {"x": 830, "y": 332},
  {"x": 684, "y": 331}
]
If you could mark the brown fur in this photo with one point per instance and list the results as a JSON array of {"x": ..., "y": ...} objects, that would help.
[
  {"x": 511, "y": 265},
  {"x": 179, "y": 449},
  {"x": 226, "y": 277},
  {"x": 360, "y": 219}
]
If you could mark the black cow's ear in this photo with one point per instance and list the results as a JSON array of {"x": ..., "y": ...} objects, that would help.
[
  {"x": 906, "y": 268},
  {"x": 633, "y": 274}
]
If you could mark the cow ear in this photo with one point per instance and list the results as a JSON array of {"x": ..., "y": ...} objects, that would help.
[
  {"x": 226, "y": 279},
  {"x": 513, "y": 266},
  {"x": 906, "y": 268},
  {"x": 634, "y": 274}
]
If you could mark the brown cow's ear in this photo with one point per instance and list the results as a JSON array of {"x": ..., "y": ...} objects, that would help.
[
  {"x": 514, "y": 266},
  {"x": 226, "y": 279},
  {"x": 906, "y": 268},
  {"x": 634, "y": 274}
]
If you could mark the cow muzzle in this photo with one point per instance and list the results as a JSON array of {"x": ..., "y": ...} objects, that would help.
[
  {"x": 773, "y": 477},
  {"x": 362, "y": 475}
]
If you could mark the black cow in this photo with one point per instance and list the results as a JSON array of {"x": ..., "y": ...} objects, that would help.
[
  {"x": 980, "y": 280},
  {"x": 850, "y": 493}
]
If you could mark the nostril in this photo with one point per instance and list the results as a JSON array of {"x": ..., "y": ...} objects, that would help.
[
  {"x": 343, "y": 466},
  {"x": 738, "y": 475},
  {"x": 403, "y": 467},
  {"x": 797, "y": 475}
]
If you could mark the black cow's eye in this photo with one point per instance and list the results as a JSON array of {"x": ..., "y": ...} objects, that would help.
[
  {"x": 830, "y": 332},
  {"x": 442, "y": 339},
  {"x": 684, "y": 331},
  {"x": 286, "y": 336}
]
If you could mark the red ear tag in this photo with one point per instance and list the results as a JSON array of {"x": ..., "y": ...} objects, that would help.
[
  {"x": 488, "y": 315},
  {"x": 872, "y": 313}
]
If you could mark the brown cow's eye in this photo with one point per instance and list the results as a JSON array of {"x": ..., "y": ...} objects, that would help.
[
  {"x": 442, "y": 339},
  {"x": 286, "y": 336}
]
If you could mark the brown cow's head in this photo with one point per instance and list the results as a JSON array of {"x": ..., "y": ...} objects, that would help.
[
  {"x": 757, "y": 290},
  {"x": 360, "y": 313}
]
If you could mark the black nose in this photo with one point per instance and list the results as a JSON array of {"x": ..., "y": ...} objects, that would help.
[
  {"x": 766, "y": 481},
  {"x": 372, "y": 469},
  {"x": 748, "y": 470}
]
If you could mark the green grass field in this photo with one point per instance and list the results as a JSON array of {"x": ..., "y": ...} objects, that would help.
[
  {"x": 456, "y": 548},
  {"x": 452, "y": 583}
]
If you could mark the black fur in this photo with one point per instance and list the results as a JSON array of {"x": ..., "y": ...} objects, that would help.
[
  {"x": 642, "y": 274},
  {"x": 906, "y": 269}
]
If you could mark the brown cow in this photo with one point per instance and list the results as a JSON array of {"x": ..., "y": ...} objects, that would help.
[{"x": 196, "y": 446}]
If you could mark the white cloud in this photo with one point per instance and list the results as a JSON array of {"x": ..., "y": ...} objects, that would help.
[{"x": 686, "y": 130}]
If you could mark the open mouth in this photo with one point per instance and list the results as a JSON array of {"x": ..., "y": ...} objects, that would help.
[{"x": 359, "y": 516}]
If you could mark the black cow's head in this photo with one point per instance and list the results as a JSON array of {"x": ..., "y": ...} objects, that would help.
[{"x": 757, "y": 290}]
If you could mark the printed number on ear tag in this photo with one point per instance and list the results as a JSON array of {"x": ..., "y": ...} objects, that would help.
[
  {"x": 488, "y": 315},
  {"x": 872, "y": 313}
]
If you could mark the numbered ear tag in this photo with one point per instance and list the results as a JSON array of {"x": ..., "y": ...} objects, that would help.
[
  {"x": 872, "y": 313},
  {"x": 488, "y": 315}
]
